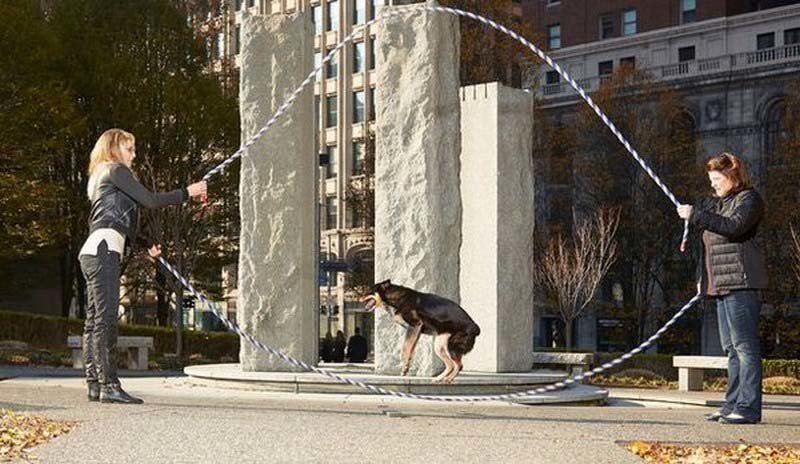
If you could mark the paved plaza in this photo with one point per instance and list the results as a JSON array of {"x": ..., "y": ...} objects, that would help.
[{"x": 185, "y": 423}]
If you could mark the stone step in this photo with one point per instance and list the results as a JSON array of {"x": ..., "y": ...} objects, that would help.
[{"x": 468, "y": 383}]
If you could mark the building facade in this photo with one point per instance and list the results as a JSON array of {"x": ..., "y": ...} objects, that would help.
[{"x": 730, "y": 62}]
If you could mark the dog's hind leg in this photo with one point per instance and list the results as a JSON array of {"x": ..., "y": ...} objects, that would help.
[
  {"x": 458, "y": 366},
  {"x": 412, "y": 335},
  {"x": 440, "y": 347}
]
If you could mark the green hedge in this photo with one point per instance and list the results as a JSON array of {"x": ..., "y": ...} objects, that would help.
[
  {"x": 51, "y": 332},
  {"x": 782, "y": 368},
  {"x": 661, "y": 364}
]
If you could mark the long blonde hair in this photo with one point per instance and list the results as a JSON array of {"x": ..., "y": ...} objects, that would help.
[{"x": 108, "y": 148}]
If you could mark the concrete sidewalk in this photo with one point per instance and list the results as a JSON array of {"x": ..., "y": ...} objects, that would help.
[
  {"x": 184, "y": 423},
  {"x": 697, "y": 398}
]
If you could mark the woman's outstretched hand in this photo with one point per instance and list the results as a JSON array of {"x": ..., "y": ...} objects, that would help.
[
  {"x": 154, "y": 251},
  {"x": 198, "y": 189},
  {"x": 684, "y": 211}
]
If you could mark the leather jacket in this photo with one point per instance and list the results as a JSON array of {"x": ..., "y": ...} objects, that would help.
[
  {"x": 116, "y": 196},
  {"x": 736, "y": 261}
]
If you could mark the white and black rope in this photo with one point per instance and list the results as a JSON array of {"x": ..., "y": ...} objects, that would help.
[{"x": 404, "y": 10}]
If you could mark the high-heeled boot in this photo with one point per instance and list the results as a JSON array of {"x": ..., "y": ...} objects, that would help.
[{"x": 115, "y": 394}]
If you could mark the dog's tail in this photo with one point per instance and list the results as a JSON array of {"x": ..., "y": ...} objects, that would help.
[{"x": 461, "y": 343}]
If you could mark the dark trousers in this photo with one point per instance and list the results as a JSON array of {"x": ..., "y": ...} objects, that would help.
[
  {"x": 737, "y": 317},
  {"x": 100, "y": 329}
]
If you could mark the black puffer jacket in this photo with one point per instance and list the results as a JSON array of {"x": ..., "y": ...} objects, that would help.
[
  {"x": 116, "y": 196},
  {"x": 736, "y": 260}
]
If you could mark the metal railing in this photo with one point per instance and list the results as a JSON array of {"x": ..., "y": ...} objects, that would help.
[{"x": 693, "y": 68}]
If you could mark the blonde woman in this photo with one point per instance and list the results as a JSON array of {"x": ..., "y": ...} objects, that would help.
[{"x": 116, "y": 196}]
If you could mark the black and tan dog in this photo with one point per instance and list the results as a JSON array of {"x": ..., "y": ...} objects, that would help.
[{"x": 453, "y": 329}]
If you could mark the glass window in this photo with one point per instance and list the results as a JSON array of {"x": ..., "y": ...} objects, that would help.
[
  {"x": 333, "y": 161},
  {"x": 605, "y": 68},
  {"x": 688, "y": 11},
  {"x": 238, "y": 40},
  {"x": 332, "y": 68},
  {"x": 629, "y": 61},
  {"x": 357, "y": 220},
  {"x": 332, "y": 111},
  {"x": 372, "y": 53},
  {"x": 251, "y": 3},
  {"x": 317, "y": 114},
  {"x": 359, "y": 12},
  {"x": 371, "y": 104},
  {"x": 686, "y": 54},
  {"x": 791, "y": 36},
  {"x": 333, "y": 15},
  {"x": 316, "y": 17},
  {"x": 765, "y": 41},
  {"x": 776, "y": 129},
  {"x": 629, "y": 22},
  {"x": 606, "y": 26},
  {"x": 554, "y": 36},
  {"x": 358, "y": 157},
  {"x": 358, "y": 57},
  {"x": 238, "y": 4},
  {"x": 317, "y": 60},
  {"x": 552, "y": 77},
  {"x": 374, "y": 8},
  {"x": 331, "y": 210},
  {"x": 358, "y": 106}
]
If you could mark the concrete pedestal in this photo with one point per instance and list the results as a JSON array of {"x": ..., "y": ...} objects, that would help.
[{"x": 498, "y": 215}]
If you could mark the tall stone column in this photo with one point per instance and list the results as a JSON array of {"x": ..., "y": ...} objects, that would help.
[
  {"x": 417, "y": 200},
  {"x": 278, "y": 293},
  {"x": 497, "y": 239}
]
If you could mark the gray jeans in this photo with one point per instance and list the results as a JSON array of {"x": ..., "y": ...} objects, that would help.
[{"x": 100, "y": 329}]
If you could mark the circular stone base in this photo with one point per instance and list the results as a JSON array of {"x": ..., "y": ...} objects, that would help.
[{"x": 467, "y": 383}]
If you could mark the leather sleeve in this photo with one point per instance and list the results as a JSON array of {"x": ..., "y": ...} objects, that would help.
[
  {"x": 747, "y": 213},
  {"x": 123, "y": 178}
]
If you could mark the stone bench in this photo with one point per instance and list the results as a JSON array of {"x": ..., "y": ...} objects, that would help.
[
  {"x": 135, "y": 347},
  {"x": 577, "y": 363},
  {"x": 690, "y": 369}
]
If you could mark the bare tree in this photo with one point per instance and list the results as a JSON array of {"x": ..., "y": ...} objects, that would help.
[
  {"x": 651, "y": 115},
  {"x": 571, "y": 273}
]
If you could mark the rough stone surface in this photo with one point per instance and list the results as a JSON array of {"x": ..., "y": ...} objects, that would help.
[
  {"x": 278, "y": 295},
  {"x": 417, "y": 199},
  {"x": 497, "y": 240},
  {"x": 563, "y": 358}
]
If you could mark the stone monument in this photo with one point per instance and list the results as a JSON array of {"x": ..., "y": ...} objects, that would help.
[
  {"x": 278, "y": 289},
  {"x": 417, "y": 198}
]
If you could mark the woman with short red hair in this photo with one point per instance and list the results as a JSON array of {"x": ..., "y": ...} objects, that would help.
[{"x": 732, "y": 271}]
